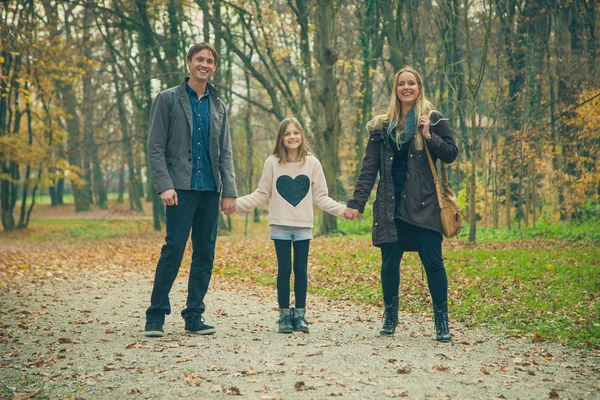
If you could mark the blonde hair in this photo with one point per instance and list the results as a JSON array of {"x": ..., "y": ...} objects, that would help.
[
  {"x": 422, "y": 106},
  {"x": 280, "y": 150}
]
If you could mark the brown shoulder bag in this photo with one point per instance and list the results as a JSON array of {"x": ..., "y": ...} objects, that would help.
[{"x": 450, "y": 212}]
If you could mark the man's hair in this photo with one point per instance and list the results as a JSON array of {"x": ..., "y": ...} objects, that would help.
[{"x": 196, "y": 47}]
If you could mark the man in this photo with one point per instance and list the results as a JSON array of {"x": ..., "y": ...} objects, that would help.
[{"x": 190, "y": 158}]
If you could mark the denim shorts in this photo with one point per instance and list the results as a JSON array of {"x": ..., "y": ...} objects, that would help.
[{"x": 292, "y": 233}]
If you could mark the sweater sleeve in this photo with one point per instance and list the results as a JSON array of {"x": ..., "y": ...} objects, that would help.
[
  {"x": 261, "y": 194},
  {"x": 321, "y": 193}
]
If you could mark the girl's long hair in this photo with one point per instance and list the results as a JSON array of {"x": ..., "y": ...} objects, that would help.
[
  {"x": 280, "y": 150},
  {"x": 422, "y": 106}
]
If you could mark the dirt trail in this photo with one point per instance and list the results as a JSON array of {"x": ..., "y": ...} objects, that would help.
[{"x": 84, "y": 339}]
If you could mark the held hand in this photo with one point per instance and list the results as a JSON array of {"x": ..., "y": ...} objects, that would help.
[
  {"x": 351, "y": 213},
  {"x": 169, "y": 197},
  {"x": 228, "y": 205},
  {"x": 424, "y": 124}
]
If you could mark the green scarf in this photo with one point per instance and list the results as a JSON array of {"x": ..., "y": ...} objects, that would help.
[{"x": 410, "y": 128}]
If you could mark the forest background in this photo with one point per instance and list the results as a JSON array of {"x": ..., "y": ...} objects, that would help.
[{"x": 518, "y": 80}]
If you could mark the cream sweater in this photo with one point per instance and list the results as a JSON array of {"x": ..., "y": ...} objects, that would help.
[{"x": 292, "y": 189}]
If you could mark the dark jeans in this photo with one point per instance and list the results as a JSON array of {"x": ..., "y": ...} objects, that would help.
[
  {"x": 283, "y": 248},
  {"x": 198, "y": 211},
  {"x": 429, "y": 247}
]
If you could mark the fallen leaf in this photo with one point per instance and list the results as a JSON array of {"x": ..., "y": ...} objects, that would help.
[{"x": 404, "y": 370}]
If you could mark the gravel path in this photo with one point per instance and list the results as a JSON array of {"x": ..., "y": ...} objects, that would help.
[{"x": 84, "y": 339}]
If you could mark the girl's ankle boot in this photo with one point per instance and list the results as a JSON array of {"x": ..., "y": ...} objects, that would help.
[
  {"x": 285, "y": 320},
  {"x": 300, "y": 323}
]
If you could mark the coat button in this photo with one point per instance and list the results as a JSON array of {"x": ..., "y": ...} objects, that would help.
[
  {"x": 411, "y": 155},
  {"x": 407, "y": 175},
  {"x": 372, "y": 140},
  {"x": 391, "y": 158},
  {"x": 422, "y": 204},
  {"x": 393, "y": 197},
  {"x": 189, "y": 159},
  {"x": 375, "y": 223}
]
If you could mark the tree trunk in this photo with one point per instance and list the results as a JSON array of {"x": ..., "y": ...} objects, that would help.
[
  {"x": 74, "y": 152},
  {"x": 472, "y": 198},
  {"x": 8, "y": 167},
  {"x": 371, "y": 41},
  {"x": 23, "y": 220},
  {"x": 486, "y": 163},
  {"x": 135, "y": 202},
  {"x": 496, "y": 208},
  {"x": 508, "y": 194},
  {"x": 121, "y": 187},
  {"x": 329, "y": 125},
  {"x": 147, "y": 48},
  {"x": 249, "y": 153},
  {"x": 79, "y": 186},
  {"x": 392, "y": 26}
]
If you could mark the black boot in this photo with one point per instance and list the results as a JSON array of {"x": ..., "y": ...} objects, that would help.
[
  {"x": 390, "y": 317},
  {"x": 300, "y": 323},
  {"x": 440, "y": 320},
  {"x": 285, "y": 320}
]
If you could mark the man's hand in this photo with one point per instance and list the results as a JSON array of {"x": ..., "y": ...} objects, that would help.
[
  {"x": 228, "y": 205},
  {"x": 169, "y": 197}
]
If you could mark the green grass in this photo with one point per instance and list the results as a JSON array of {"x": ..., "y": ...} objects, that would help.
[
  {"x": 551, "y": 293},
  {"x": 78, "y": 229},
  {"x": 544, "y": 292},
  {"x": 44, "y": 198},
  {"x": 587, "y": 233}
]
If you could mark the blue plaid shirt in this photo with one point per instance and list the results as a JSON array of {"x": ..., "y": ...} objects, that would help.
[{"x": 202, "y": 176}]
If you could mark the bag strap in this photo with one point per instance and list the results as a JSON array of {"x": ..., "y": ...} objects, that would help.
[{"x": 436, "y": 180}]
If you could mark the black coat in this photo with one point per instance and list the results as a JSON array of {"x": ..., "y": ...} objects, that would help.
[{"x": 419, "y": 203}]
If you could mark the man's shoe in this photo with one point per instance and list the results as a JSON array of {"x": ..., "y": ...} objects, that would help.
[
  {"x": 154, "y": 329},
  {"x": 196, "y": 326}
]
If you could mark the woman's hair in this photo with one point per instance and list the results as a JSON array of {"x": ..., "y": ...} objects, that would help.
[
  {"x": 422, "y": 106},
  {"x": 280, "y": 150}
]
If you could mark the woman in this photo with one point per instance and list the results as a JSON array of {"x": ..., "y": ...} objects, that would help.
[{"x": 406, "y": 213}]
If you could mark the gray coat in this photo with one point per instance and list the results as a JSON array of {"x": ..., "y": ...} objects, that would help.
[
  {"x": 170, "y": 142},
  {"x": 419, "y": 203}
]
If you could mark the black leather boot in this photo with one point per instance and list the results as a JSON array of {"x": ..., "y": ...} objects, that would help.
[
  {"x": 390, "y": 317},
  {"x": 285, "y": 320},
  {"x": 440, "y": 320},
  {"x": 300, "y": 323}
]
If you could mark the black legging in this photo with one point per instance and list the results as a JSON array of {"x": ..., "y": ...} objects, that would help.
[
  {"x": 429, "y": 244},
  {"x": 283, "y": 248}
]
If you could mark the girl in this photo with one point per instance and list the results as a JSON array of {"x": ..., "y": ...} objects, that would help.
[
  {"x": 292, "y": 179},
  {"x": 406, "y": 210}
]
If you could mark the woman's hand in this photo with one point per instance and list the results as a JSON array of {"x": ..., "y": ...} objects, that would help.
[{"x": 424, "y": 124}]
